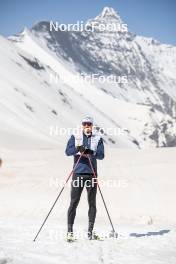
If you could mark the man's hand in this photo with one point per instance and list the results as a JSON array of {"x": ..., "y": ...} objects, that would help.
[
  {"x": 84, "y": 150},
  {"x": 81, "y": 148},
  {"x": 88, "y": 151}
]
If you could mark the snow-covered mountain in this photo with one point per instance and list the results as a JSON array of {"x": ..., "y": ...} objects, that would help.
[{"x": 140, "y": 111}]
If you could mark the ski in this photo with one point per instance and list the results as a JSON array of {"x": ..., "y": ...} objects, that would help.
[
  {"x": 70, "y": 238},
  {"x": 96, "y": 237}
]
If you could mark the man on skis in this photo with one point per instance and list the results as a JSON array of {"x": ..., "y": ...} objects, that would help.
[{"x": 88, "y": 144}]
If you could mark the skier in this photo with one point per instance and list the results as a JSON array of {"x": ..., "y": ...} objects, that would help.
[{"x": 86, "y": 143}]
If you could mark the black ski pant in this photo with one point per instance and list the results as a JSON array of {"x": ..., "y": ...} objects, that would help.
[{"x": 77, "y": 186}]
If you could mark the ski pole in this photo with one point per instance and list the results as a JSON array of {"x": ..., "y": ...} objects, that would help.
[
  {"x": 57, "y": 197},
  {"x": 113, "y": 230}
]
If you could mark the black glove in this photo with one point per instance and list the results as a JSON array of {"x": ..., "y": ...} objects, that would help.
[
  {"x": 88, "y": 151},
  {"x": 81, "y": 148}
]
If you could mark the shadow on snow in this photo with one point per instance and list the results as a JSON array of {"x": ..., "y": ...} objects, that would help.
[{"x": 158, "y": 233}]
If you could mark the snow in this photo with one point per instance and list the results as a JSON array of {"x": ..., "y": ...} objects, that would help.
[
  {"x": 148, "y": 250},
  {"x": 27, "y": 90},
  {"x": 163, "y": 58},
  {"x": 138, "y": 185},
  {"x": 34, "y": 104},
  {"x": 141, "y": 206},
  {"x": 31, "y": 89},
  {"x": 109, "y": 13}
]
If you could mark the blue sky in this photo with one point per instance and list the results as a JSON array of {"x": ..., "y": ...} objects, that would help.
[{"x": 151, "y": 18}]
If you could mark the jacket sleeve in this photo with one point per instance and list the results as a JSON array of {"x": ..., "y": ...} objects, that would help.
[
  {"x": 100, "y": 150},
  {"x": 70, "y": 148}
]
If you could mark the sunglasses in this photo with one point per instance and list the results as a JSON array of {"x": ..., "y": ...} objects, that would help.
[{"x": 86, "y": 123}]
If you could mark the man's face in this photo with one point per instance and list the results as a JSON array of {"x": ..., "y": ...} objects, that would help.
[{"x": 87, "y": 128}]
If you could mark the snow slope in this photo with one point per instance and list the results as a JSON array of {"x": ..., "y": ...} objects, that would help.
[
  {"x": 144, "y": 109},
  {"x": 33, "y": 106},
  {"x": 141, "y": 206}
]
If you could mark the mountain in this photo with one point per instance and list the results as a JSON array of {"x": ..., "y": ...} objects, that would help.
[{"x": 43, "y": 84}]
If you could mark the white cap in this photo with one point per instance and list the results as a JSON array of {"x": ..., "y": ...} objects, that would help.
[{"x": 87, "y": 119}]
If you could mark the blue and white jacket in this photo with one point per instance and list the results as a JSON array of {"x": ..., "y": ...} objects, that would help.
[{"x": 93, "y": 142}]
